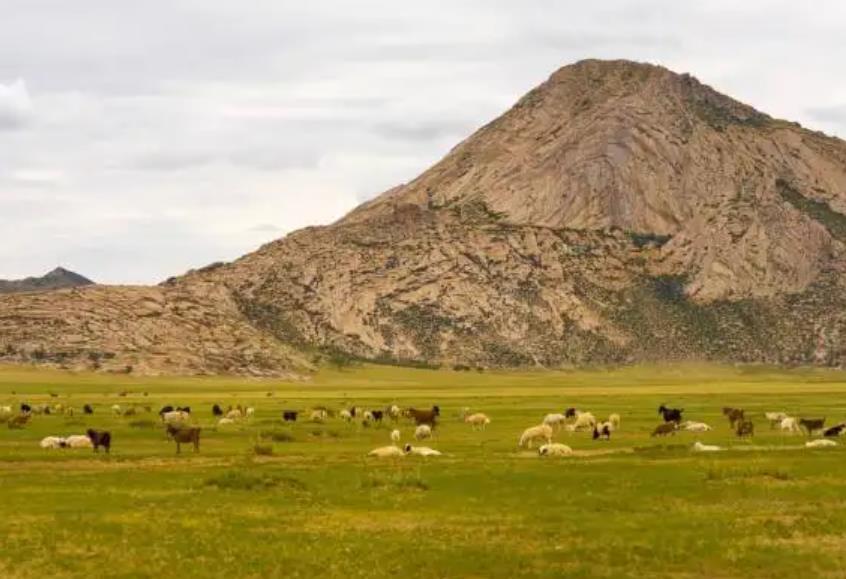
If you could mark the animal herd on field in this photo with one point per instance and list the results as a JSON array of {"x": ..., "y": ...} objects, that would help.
[{"x": 180, "y": 428}]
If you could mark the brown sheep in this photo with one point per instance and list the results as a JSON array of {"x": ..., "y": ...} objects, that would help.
[
  {"x": 184, "y": 435},
  {"x": 424, "y": 416}
]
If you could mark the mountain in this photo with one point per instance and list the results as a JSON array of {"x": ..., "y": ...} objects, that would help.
[
  {"x": 618, "y": 213},
  {"x": 56, "y": 279}
]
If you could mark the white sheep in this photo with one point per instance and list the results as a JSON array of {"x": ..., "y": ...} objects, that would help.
[
  {"x": 477, "y": 420},
  {"x": 250, "y": 412},
  {"x": 386, "y": 451},
  {"x": 52, "y": 442},
  {"x": 614, "y": 420},
  {"x": 699, "y": 447},
  {"x": 176, "y": 416},
  {"x": 584, "y": 421},
  {"x": 691, "y": 426},
  {"x": 234, "y": 414},
  {"x": 394, "y": 412},
  {"x": 5, "y": 410},
  {"x": 821, "y": 443},
  {"x": 789, "y": 424},
  {"x": 78, "y": 441},
  {"x": 421, "y": 450},
  {"x": 117, "y": 410},
  {"x": 554, "y": 420},
  {"x": 775, "y": 418},
  {"x": 554, "y": 449},
  {"x": 539, "y": 432},
  {"x": 395, "y": 435},
  {"x": 367, "y": 416},
  {"x": 225, "y": 421},
  {"x": 318, "y": 415},
  {"x": 423, "y": 432},
  {"x": 345, "y": 415}
]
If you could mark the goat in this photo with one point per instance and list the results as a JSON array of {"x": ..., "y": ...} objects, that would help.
[
  {"x": 164, "y": 410},
  {"x": 734, "y": 415},
  {"x": 100, "y": 438},
  {"x": 665, "y": 429},
  {"x": 423, "y": 431},
  {"x": 812, "y": 424},
  {"x": 789, "y": 424},
  {"x": 745, "y": 428},
  {"x": 289, "y": 415},
  {"x": 554, "y": 449},
  {"x": 377, "y": 415},
  {"x": 25, "y": 408},
  {"x": 835, "y": 431},
  {"x": 670, "y": 414},
  {"x": 183, "y": 435},
  {"x": 602, "y": 431},
  {"x": 570, "y": 413},
  {"x": 216, "y": 410},
  {"x": 87, "y": 409},
  {"x": 477, "y": 420}
]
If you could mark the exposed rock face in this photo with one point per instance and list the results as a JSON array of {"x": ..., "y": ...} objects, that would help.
[
  {"x": 619, "y": 212},
  {"x": 57, "y": 279}
]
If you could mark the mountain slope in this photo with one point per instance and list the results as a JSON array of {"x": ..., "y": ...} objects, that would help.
[
  {"x": 56, "y": 279},
  {"x": 619, "y": 212}
]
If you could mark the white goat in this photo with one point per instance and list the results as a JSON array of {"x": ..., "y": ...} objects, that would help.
[
  {"x": 250, "y": 412},
  {"x": 614, "y": 420},
  {"x": 345, "y": 415},
  {"x": 539, "y": 432},
  {"x": 554, "y": 449},
  {"x": 775, "y": 418}
]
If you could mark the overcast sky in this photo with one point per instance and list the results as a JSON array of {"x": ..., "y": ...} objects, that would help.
[{"x": 140, "y": 139}]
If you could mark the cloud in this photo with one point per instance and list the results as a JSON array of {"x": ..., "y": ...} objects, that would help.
[{"x": 15, "y": 106}]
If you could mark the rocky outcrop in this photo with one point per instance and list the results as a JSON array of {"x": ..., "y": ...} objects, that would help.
[{"x": 59, "y": 278}]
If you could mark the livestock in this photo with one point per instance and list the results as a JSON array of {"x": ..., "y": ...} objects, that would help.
[
  {"x": 182, "y": 435},
  {"x": 87, "y": 409},
  {"x": 699, "y": 447},
  {"x": 289, "y": 415},
  {"x": 734, "y": 415},
  {"x": 423, "y": 432},
  {"x": 394, "y": 412},
  {"x": 670, "y": 414},
  {"x": 745, "y": 428},
  {"x": 216, "y": 410},
  {"x": 533, "y": 433},
  {"x": 345, "y": 415},
  {"x": 234, "y": 414},
  {"x": 395, "y": 435},
  {"x": 78, "y": 441},
  {"x": 554, "y": 449},
  {"x": 835, "y": 431},
  {"x": 584, "y": 421},
  {"x": 386, "y": 452},
  {"x": 789, "y": 424},
  {"x": 318, "y": 416},
  {"x": 5, "y": 409},
  {"x": 602, "y": 431},
  {"x": 477, "y": 420},
  {"x": 775, "y": 418},
  {"x": 53, "y": 442},
  {"x": 812, "y": 424},
  {"x": 25, "y": 408},
  {"x": 614, "y": 419},
  {"x": 175, "y": 416},
  {"x": 250, "y": 412},
  {"x": 690, "y": 426},
  {"x": 421, "y": 450},
  {"x": 366, "y": 417},
  {"x": 424, "y": 416},
  {"x": 100, "y": 438},
  {"x": 554, "y": 420},
  {"x": 820, "y": 443},
  {"x": 225, "y": 421},
  {"x": 377, "y": 415},
  {"x": 570, "y": 412},
  {"x": 665, "y": 429},
  {"x": 117, "y": 410},
  {"x": 184, "y": 409},
  {"x": 19, "y": 421},
  {"x": 165, "y": 409}
]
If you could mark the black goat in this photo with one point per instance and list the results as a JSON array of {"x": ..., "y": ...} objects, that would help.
[
  {"x": 377, "y": 415},
  {"x": 87, "y": 409},
  {"x": 835, "y": 431},
  {"x": 671, "y": 414},
  {"x": 26, "y": 408},
  {"x": 289, "y": 415},
  {"x": 216, "y": 410},
  {"x": 101, "y": 438},
  {"x": 745, "y": 428}
]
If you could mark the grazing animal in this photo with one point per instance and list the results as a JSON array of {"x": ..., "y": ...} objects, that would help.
[
  {"x": 745, "y": 428},
  {"x": 100, "y": 438},
  {"x": 477, "y": 421},
  {"x": 554, "y": 449},
  {"x": 812, "y": 424},
  {"x": 225, "y": 421},
  {"x": 423, "y": 432},
  {"x": 789, "y": 424},
  {"x": 87, "y": 409},
  {"x": 670, "y": 414},
  {"x": 377, "y": 415},
  {"x": 216, "y": 410},
  {"x": 421, "y": 450},
  {"x": 533, "y": 433},
  {"x": 26, "y": 408},
  {"x": 116, "y": 410},
  {"x": 165, "y": 409},
  {"x": 19, "y": 421},
  {"x": 345, "y": 415},
  {"x": 289, "y": 415},
  {"x": 835, "y": 431},
  {"x": 821, "y": 443},
  {"x": 53, "y": 442},
  {"x": 570, "y": 412},
  {"x": 175, "y": 417},
  {"x": 584, "y": 421},
  {"x": 734, "y": 415},
  {"x": 394, "y": 412},
  {"x": 554, "y": 420},
  {"x": 665, "y": 429},
  {"x": 318, "y": 416},
  {"x": 699, "y": 447},
  {"x": 614, "y": 419},
  {"x": 250, "y": 412},
  {"x": 184, "y": 409},
  {"x": 775, "y": 418},
  {"x": 424, "y": 416},
  {"x": 602, "y": 431},
  {"x": 234, "y": 414},
  {"x": 395, "y": 435},
  {"x": 182, "y": 435},
  {"x": 78, "y": 441},
  {"x": 694, "y": 426},
  {"x": 386, "y": 452}
]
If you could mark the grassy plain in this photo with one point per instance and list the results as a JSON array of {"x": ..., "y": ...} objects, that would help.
[{"x": 316, "y": 507}]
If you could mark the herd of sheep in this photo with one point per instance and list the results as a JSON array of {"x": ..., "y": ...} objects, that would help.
[{"x": 181, "y": 429}]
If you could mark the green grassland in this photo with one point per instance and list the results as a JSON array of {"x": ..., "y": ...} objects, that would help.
[{"x": 318, "y": 507}]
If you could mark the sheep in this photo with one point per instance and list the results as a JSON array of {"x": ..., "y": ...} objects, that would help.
[
  {"x": 670, "y": 414},
  {"x": 216, "y": 410},
  {"x": 554, "y": 420},
  {"x": 100, "y": 438},
  {"x": 345, "y": 415},
  {"x": 234, "y": 414},
  {"x": 182, "y": 435},
  {"x": 367, "y": 416},
  {"x": 614, "y": 420},
  {"x": 665, "y": 429},
  {"x": 165, "y": 409},
  {"x": 318, "y": 416},
  {"x": 584, "y": 421},
  {"x": 699, "y": 447},
  {"x": 289, "y": 415},
  {"x": 531, "y": 434},
  {"x": 602, "y": 431},
  {"x": 775, "y": 418},
  {"x": 394, "y": 412},
  {"x": 116, "y": 410},
  {"x": 78, "y": 441},
  {"x": 53, "y": 442},
  {"x": 386, "y": 452},
  {"x": 570, "y": 413},
  {"x": 745, "y": 428},
  {"x": 395, "y": 435},
  {"x": 835, "y": 431},
  {"x": 423, "y": 432},
  {"x": 812, "y": 424},
  {"x": 477, "y": 421},
  {"x": 175, "y": 416},
  {"x": 734, "y": 415},
  {"x": 250, "y": 412},
  {"x": 424, "y": 416},
  {"x": 690, "y": 426},
  {"x": 421, "y": 450},
  {"x": 789, "y": 424},
  {"x": 820, "y": 443},
  {"x": 554, "y": 449},
  {"x": 25, "y": 408},
  {"x": 87, "y": 409},
  {"x": 225, "y": 421}
]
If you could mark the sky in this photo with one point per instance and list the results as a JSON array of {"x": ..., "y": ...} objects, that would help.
[{"x": 141, "y": 139}]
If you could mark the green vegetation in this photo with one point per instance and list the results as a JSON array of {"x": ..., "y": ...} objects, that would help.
[
  {"x": 819, "y": 211},
  {"x": 316, "y": 506}
]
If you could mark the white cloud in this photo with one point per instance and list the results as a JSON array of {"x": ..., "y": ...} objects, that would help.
[{"x": 15, "y": 105}]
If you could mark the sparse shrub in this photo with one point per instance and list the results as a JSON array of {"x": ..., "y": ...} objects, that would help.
[
  {"x": 277, "y": 435},
  {"x": 245, "y": 480},
  {"x": 142, "y": 423},
  {"x": 395, "y": 481}
]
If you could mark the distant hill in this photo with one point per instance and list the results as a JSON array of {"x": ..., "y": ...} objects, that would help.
[{"x": 59, "y": 278}]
